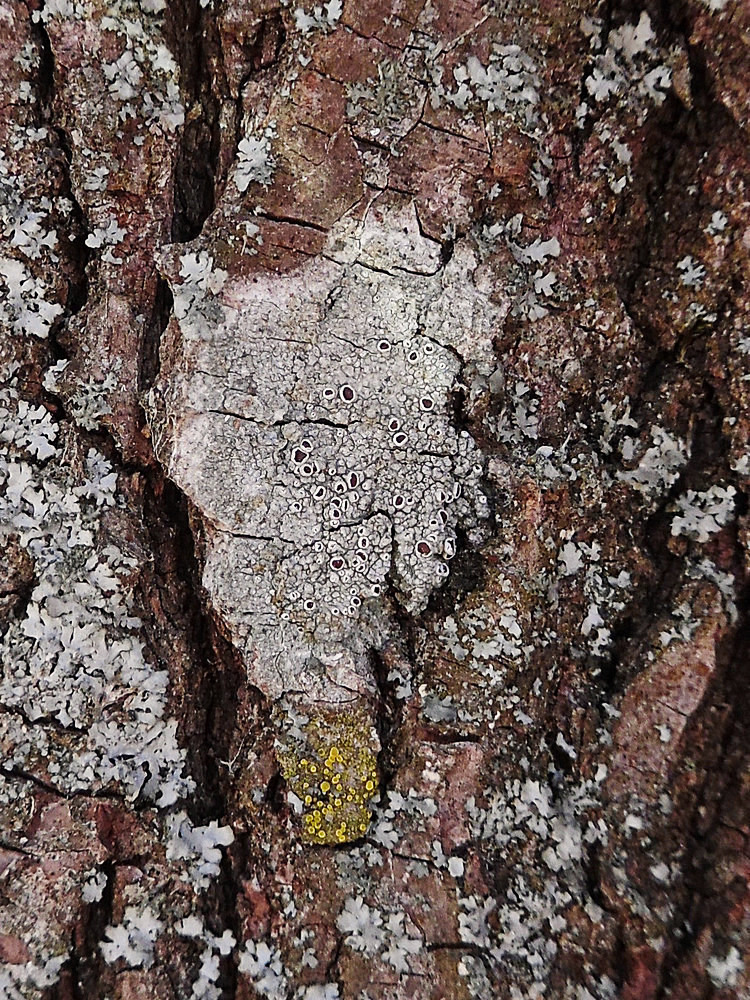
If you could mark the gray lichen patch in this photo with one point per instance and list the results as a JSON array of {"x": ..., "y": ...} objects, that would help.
[{"x": 308, "y": 418}]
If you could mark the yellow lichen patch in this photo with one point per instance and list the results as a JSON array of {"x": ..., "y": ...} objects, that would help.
[{"x": 334, "y": 775}]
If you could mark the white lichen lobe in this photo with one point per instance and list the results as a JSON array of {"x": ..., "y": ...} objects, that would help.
[{"x": 310, "y": 420}]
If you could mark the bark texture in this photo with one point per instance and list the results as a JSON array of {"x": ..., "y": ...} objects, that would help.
[{"x": 373, "y": 500}]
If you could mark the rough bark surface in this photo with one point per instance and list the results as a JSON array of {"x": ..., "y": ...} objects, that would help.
[{"x": 373, "y": 499}]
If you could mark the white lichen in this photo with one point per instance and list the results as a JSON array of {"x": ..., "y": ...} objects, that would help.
[
  {"x": 366, "y": 931},
  {"x": 132, "y": 940},
  {"x": 725, "y": 972},
  {"x": 106, "y": 237},
  {"x": 19, "y": 981},
  {"x": 508, "y": 84},
  {"x": 74, "y": 656},
  {"x": 626, "y": 62},
  {"x": 312, "y": 427},
  {"x": 263, "y": 964},
  {"x": 255, "y": 161},
  {"x": 522, "y": 927},
  {"x": 702, "y": 514},
  {"x": 322, "y": 17},
  {"x": 659, "y": 466},
  {"x": 25, "y": 305},
  {"x": 205, "y": 986},
  {"x": 200, "y": 846},
  {"x": 692, "y": 274}
]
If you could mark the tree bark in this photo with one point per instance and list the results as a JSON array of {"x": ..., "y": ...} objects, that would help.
[{"x": 373, "y": 500}]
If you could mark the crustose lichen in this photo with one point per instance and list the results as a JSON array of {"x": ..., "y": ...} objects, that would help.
[{"x": 332, "y": 776}]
